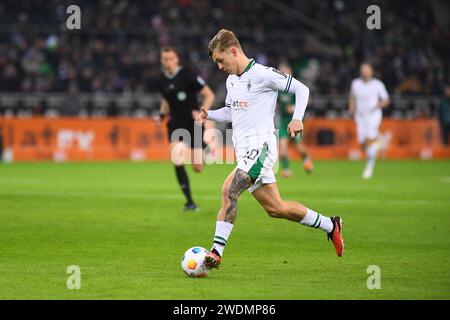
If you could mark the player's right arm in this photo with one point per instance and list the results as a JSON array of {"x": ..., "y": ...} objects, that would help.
[
  {"x": 383, "y": 96},
  {"x": 221, "y": 115},
  {"x": 163, "y": 110},
  {"x": 351, "y": 105},
  {"x": 351, "y": 102},
  {"x": 164, "y": 107}
]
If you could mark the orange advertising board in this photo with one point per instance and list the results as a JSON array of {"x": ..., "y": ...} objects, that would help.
[
  {"x": 399, "y": 139},
  {"x": 75, "y": 139},
  {"x": 84, "y": 139}
]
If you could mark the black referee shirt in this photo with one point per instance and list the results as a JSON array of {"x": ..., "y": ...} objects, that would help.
[{"x": 180, "y": 91}]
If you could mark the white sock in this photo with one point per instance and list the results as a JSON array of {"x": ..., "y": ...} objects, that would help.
[
  {"x": 371, "y": 151},
  {"x": 316, "y": 220},
  {"x": 223, "y": 230}
]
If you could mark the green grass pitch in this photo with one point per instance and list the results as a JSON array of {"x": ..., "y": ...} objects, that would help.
[{"x": 122, "y": 224}]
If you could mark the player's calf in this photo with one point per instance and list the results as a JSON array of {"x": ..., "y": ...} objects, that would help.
[
  {"x": 308, "y": 165},
  {"x": 227, "y": 215},
  {"x": 269, "y": 198},
  {"x": 197, "y": 167},
  {"x": 275, "y": 212}
]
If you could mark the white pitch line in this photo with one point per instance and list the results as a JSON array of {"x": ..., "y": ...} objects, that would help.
[
  {"x": 445, "y": 179},
  {"x": 17, "y": 180},
  {"x": 172, "y": 196}
]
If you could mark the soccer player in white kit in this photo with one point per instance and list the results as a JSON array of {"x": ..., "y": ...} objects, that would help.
[
  {"x": 367, "y": 97},
  {"x": 252, "y": 91}
]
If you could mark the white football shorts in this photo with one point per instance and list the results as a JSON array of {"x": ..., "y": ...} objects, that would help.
[
  {"x": 368, "y": 125},
  {"x": 258, "y": 159}
]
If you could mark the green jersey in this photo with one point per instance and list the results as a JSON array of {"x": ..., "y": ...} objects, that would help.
[{"x": 285, "y": 99}]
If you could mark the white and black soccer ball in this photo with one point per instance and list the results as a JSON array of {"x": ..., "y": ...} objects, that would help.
[{"x": 193, "y": 262}]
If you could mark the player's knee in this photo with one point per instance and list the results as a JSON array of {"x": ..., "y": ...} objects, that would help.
[
  {"x": 197, "y": 167},
  {"x": 225, "y": 190},
  {"x": 177, "y": 161},
  {"x": 232, "y": 196},
  {"x": 226, "y": 187}
]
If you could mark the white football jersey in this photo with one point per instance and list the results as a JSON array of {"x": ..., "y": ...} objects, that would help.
[
  {"x": 252, "y": 97},
  {"x": 367, "y": 94}
]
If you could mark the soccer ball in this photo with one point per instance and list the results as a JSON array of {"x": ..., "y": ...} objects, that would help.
[{"x": 193, "y": 262}]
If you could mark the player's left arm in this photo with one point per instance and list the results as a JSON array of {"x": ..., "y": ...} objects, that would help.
[
  {"x": 384, "y": 97},
  {"x": 301, "y": 101},
  {"x": 278, "y": 80},
  {"x": 291, "y": 107}
]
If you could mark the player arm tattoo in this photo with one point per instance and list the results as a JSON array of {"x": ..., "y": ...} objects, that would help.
[{"x": 241, "y": 181}]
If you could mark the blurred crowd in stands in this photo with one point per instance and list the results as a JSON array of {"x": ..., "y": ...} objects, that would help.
[{"x": 117, "y": 48}]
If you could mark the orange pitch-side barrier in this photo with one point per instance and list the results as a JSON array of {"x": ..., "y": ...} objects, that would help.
[
  {"x": 84, "y": 139},
  {"x": 65, "y": 139},
  {"x": 399, "y": 139}
]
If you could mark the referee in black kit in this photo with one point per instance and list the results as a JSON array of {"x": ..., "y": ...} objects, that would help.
[{"x": 179, "y": 88}]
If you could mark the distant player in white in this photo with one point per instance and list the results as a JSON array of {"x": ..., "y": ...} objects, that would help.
[
  {"x": 367, "y": 97},
  {"x": 252, "y": 91}
]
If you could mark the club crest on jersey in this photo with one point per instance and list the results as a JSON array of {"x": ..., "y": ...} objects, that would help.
[{"x": 249, "y": 84}]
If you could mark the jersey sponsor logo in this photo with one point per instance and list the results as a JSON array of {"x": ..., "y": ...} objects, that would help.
[
  {"x": 239, "y": 104},
  {"x": 181, "y": 96}
]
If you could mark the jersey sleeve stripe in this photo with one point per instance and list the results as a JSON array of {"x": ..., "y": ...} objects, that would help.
[{"x": 288, "y": 85}]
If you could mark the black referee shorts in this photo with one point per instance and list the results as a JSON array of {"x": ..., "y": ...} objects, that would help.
[{"x": 188, "y": 132}]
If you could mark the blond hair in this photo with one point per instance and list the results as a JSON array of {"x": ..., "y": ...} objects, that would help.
[{"x": 223, "y": 40}]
